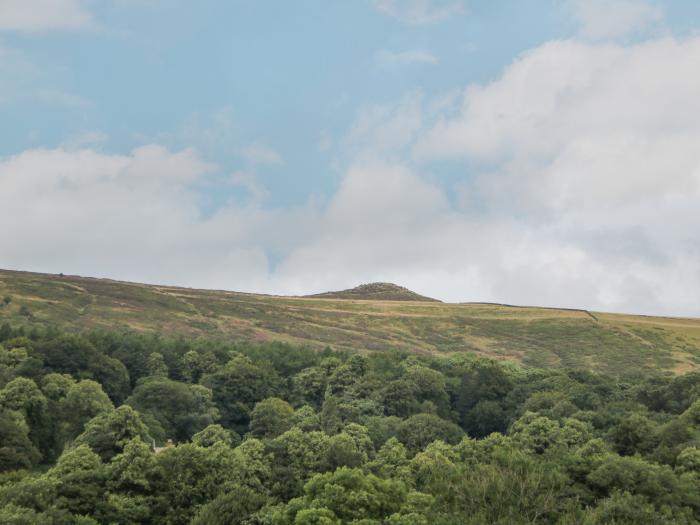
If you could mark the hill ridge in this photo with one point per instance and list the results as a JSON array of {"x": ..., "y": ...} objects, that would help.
[
  {"x": 545, "y": 337},
  {"x": 380, "y": 291}
]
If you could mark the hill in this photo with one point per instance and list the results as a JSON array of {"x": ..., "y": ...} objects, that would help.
[
  {"x": 612, "y": 343},
  {"x": 375, "y": 292}
]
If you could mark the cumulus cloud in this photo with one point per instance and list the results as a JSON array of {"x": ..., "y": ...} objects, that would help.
[
  {"x": 419, "y": 12},
  {"x": 578, "y": 185},
  {"x": 592, "y": 146},
  {"x": 603, "y": 19},
  {"x": 406, "y": 57},
  {"x": 44, "y": 15},
  {"x": 137, "y": 217}
]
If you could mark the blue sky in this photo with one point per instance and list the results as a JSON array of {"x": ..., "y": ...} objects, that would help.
[
  {"x": 292, "y": 147},
  {"x": 282, "y": 74}
]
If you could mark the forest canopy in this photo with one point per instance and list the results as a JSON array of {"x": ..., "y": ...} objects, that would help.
[{"x": 123, "y": 427}]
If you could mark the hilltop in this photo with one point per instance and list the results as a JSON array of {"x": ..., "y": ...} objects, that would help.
[
  {"x": 612, "y": 343},
  {"x": 375, "y": 292}
]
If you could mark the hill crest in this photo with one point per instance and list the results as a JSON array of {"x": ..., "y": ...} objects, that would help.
[{"x": 378, "y": 291}]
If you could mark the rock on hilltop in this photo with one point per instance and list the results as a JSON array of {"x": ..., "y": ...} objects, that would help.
[{"x": 377, "y": 292}]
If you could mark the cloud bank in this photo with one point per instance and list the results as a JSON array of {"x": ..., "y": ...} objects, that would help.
[
  {"x": 34, "y": 16},
  {"x": 577, "y": 184}
]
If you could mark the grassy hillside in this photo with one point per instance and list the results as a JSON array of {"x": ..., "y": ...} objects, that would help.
[{"x": 617, "y": 344}]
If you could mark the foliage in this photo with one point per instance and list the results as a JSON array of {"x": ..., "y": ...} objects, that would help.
[{"x": 274, "y": 434}]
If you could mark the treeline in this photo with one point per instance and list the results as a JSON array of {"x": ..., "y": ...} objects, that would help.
[{"x": 273, "y": 434}]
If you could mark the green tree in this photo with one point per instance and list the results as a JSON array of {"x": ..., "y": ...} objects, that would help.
[
  {"x": 298, "y": 455},
  {"x": 16, "y": 449},
  {"x": 346, "y": 496},
  {"x": 188, "y": 477},
  {"x": 156, "y": 365},
  {"x": 191, "y": 366},
  {"x": 129, "y": 484},
  {"x": 22, "y": 395},
  {"x": 84, "y": 400},
  {"x": 271, "y": 417},
  {"x": 634, "y": 434},
  {"x": 81, "y": 480},
  {"x": 309, "y": 386},
  {"x": 391, "y": 461},
  {"x": 418, "y": 431},
  {"x": 351, "y": 448},
  {"x": 109, "y": 432},
  {"x": 233, "y": 507},
  {"x": 181, "y": 410},
  {"x": 237, "y": 387},
  {"x": 214, "y": 434}
]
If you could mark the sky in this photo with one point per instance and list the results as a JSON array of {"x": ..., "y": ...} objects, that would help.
[{"x": 537, "y": 153}]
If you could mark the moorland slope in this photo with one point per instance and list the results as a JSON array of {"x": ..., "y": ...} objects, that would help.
[{"x": 361, "y": 319}]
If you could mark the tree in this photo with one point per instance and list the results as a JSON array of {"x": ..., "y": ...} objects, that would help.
[
  {"x": 271, "y": 417},
  {"x": 129, "y": 484},
  {"x": 306, "y": 419},
  {"x": 81, "y": 476},
  {"x": 298, "y": 456},
  {"x": 22, "y": 395},
  {"x": 233, "y": 507},
  {"x": 156, "y": 365},
  {"x": 69, "y": 354},
  {"x": 309, "y": 386},
  {"x": 418, "y": 431},
  {"x": 237, "y": 387},
  {"x": 214, "y": 434},
  {"x": 187, "y": 477},
  {"x": 540, "y": 435},
  {"x": 84, "y": 400},
  {"x": 56, "y": 386},
  {"x": 635, "y": 433},
  {"x": 689, "y": 461},
  {"x": 109, "y": 432},
  {"x": 16, "y": 449},
  {"x": 191, "y": 366},
  {"x": 346, "y": 496},
  {"x": 399, "y": 399},
  {"x": 485, "y": 380},
  {"x": 485, "y": 418},
  {"x": 391, "y": 461},
  {"x": 181, "y": 410},
  {"x": 429, "y": 385}
]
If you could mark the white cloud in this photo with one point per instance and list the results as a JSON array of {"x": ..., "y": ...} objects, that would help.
[
  {"x": 44, "y": 15},
  {"x": 580, "y": 187},
  {"x": 419, "y": 12},
  {"x": 406, "y": 57},
  {"x": 603, "y": 19},
  {"x": 593, "y": 148},
  {"x": 132, "y": 216}
]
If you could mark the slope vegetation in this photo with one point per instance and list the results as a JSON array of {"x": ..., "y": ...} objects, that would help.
[{"x": 611, "y": 343}]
